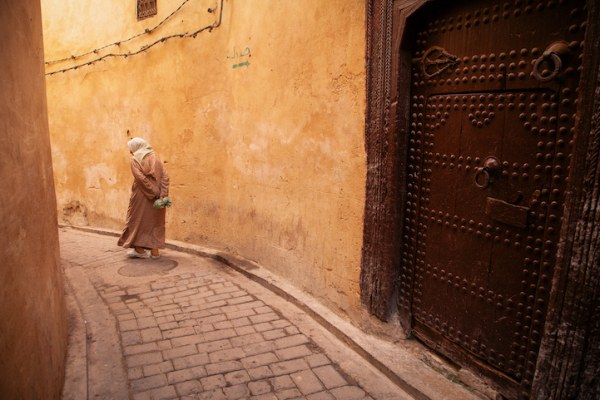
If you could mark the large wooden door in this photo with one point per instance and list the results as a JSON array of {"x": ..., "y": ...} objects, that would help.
[{"x": 493, "y": 106}]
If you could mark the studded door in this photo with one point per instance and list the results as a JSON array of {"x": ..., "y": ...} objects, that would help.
[{"x": 493, "y": 103}]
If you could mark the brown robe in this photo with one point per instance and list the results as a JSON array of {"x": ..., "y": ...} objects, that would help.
[{"x": 145, "y": 225}]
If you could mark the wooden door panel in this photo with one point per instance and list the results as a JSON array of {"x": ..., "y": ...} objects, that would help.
[{"x": 491, "y": 131}]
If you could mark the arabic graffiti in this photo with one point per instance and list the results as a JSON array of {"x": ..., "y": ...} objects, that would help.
[
  {"x": 238, "y": 54},
  {"x": 238, "y": 57}
]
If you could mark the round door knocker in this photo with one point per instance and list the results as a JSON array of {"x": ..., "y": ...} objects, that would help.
[
  {"x": 484, "y": 176},
  {"x": 553, "y": 55}
]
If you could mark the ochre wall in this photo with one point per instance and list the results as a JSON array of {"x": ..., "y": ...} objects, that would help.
[
  {"x": 33, "y": 332},
  {"x": 261, "y": 123}
]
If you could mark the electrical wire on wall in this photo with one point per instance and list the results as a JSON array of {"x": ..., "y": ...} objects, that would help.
[{"x": 142, "y": 49}]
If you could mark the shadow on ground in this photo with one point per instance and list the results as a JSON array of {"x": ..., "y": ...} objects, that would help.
[{"x": 138, "y": 267}]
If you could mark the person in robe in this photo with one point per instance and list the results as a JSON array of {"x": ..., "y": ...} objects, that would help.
[{"x": 145, "y": 226}]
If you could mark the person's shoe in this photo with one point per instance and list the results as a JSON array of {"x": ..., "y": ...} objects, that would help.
[
  {"x": 154, "y": 254},
  {"x": 134, "y": 254}
]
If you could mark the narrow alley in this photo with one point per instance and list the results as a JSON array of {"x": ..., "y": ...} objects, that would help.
[
  {"x": 190, "y": 327},
  {"x": 370, "y": 200}
]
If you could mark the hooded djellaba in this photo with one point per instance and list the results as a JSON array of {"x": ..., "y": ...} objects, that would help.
[{"x": 145, "y": 227}]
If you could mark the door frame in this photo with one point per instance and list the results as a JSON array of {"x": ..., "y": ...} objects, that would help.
[{"x": 569, "y": 354}]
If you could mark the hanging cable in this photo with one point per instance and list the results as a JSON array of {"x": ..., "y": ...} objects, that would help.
[
  {"x": 141, "y": 49},
  {"x": 147, "y": 31}
]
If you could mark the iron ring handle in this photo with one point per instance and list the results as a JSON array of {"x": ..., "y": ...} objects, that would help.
[
  {"x": 556, "y": 61},
  {"x": 485, "y": 173}
]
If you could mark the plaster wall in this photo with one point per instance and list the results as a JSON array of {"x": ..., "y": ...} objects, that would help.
[
  {"x": 260, "y": 122},
  {"x": 33, "y": 332}
]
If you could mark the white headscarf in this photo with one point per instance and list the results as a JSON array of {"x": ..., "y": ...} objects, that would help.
[{"x": 140, "y": 148}]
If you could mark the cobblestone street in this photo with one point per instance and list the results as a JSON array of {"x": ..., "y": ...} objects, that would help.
[{"x": 190, "y": 327}]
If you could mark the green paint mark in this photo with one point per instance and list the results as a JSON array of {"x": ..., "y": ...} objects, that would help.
[{"x": 242, "y": 64}]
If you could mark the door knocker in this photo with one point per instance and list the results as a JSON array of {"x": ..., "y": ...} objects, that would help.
[
  {"x": 485, "y": 175},
  {"x": 436, "y": 60},
  {"x": 554, "y": 57}
]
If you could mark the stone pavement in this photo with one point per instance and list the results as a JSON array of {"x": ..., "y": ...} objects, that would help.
[
  {"x": 189, "y": 327},
  {"x": 203, "y": 324}
]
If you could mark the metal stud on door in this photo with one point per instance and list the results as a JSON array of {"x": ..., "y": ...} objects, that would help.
[{"x": 492, "y": 115}]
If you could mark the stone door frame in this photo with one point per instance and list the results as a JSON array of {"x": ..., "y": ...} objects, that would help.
[{"x": 569, "y": 354}]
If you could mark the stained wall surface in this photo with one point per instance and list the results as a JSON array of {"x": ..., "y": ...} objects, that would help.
[
  {"x": 33, "y": 332},
  {"x": 260, "y": 121}
]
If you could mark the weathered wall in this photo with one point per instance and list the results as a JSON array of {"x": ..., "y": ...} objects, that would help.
[
  {"x": 32, "y": 312},
  {"x": 261, "y": 123}
]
